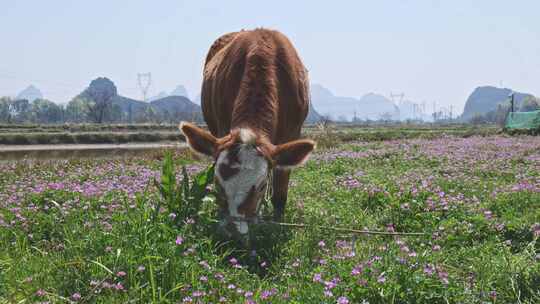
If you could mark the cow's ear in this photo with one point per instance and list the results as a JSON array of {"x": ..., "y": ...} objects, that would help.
[
  {"x": 199, "y": 140},
  {"x": 293, "y": 154}
]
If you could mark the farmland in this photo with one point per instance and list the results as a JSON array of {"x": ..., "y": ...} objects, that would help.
[{"x": 100, "y": 231}]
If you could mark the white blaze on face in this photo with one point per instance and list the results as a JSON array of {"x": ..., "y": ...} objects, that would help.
[{"x": 252, "y": 171}]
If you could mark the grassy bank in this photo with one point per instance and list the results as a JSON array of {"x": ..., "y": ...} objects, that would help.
[{"x": 327, "y": 137}]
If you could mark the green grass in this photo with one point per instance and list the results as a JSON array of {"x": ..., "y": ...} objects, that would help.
[{"x": 104, "y": 231}]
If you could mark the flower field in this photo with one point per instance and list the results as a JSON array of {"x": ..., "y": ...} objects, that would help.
[{"x": 99, "y": 231}]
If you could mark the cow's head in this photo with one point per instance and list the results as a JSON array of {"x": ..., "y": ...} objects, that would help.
[{"x": 243, "y": 160}]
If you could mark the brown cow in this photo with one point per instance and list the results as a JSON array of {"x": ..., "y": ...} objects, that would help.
[{"x": 255, "y": 98}]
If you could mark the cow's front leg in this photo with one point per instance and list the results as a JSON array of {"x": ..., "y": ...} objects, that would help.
[{"x": 280, "y": 187}]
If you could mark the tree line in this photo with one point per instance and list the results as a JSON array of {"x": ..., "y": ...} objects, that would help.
[{"x": 99, "y": 103}]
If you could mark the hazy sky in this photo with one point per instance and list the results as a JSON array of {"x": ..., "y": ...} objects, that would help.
[{"x": 431, "y": 50}]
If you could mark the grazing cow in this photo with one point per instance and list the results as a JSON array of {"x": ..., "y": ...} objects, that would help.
[{"x": 255, "y": 98}]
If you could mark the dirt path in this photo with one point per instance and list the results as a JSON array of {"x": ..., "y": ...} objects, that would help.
[
  {"x": 70, "y": 151},
  {"x": 74, "y": 147}
]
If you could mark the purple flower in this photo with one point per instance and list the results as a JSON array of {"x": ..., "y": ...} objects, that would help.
[
  {"x": 322, "y": 244},
  {"x": 40, "y": 292},
  {"x": 198, "y": 293},
  {"x": 76, "y": 296},
  {"x": 428, "y": 269},
  {"x": 121, "y": 273},
  {"x": 317, "y": 277},
  {"x": 179, "y": 240},
  {"x": 342, "y": 300}
]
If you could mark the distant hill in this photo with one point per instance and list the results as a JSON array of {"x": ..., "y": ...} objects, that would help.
[
  {"x": 370, "y": 106},
  {"x": 177, "y": 108},
  {"x": 180, "y": 90},
  {"x": 162, "y": 94},
  {"x": 485, "y": 99},
  {"x": 170, "y": 108},
  {"x": 313, "y": 116},
  {"x": 31, "y": 93}
]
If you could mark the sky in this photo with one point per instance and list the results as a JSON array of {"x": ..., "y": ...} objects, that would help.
[{"x": 433, "y": 51}]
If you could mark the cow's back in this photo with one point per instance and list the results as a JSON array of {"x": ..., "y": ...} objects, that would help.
[{"x": 255, "y": 79}]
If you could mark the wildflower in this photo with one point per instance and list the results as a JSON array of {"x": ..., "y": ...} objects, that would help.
[
  {"x": 328, "y": 294},
  {"x": 322, "y": 244},
  {"x": 198, "y": 293},
  {"x": 342, "y": 300},
  {"x": 172, "y": 216},
  {"x": 265, "y": 294},
  {"x": 233, "y": 261},
  {"x": 187, "y": 300},
  {"x": 248, "y": 294},
  {"x": 436, "y": 248},
  {"x": 219, "y": 276},
  {"x": 356, "y": 270},
  {"x": 40, "y": 292},
  {"x": 203, "y": 279},
  {"x": 381, "y": 279},
  {"x": 317, "y": 277},
  {"x": 429, "y": 270},
  {"x": 362, "y": 282},
  {"x": 179, "y": 240},
  {"x": 329, "y": 284},
  {"x": 493, "y": 295},
  {"x": 121, "y": 273},
  {"x": 76, "y": 296},
  {"x": 205, "y": 265},
  {"x": 141, "y": 268}
]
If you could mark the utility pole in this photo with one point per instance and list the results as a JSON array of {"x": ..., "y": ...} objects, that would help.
[
  {"x": 401, "y": 96},
  {"x": 399, "y": 103},
  {"x": 144, "y": 80}
]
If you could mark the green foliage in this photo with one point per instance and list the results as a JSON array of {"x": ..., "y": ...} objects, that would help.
[
  {"x": 184, "y": 198},
  {"x": 143, "y": 240}
]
